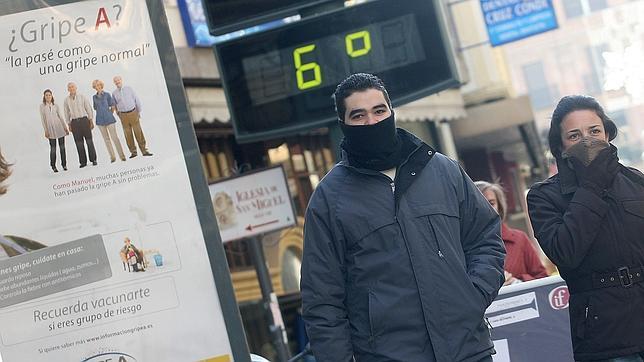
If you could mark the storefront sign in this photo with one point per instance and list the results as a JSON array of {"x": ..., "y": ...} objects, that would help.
[
  {"x": 526, "y": 317},
  {"x": 104, "y": 213},
  {"x": 512, "y": 20},
  {"x": 252, "y": 204}
]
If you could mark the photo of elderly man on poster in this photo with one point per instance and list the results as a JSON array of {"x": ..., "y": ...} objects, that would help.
[
  {"x": 128, "y": 108},
  {"x": 79, "y": 116}
]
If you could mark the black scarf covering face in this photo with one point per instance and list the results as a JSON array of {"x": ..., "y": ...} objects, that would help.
[{"x": 376, "y": 147}]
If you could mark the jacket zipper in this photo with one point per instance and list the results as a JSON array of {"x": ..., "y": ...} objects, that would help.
[{"x": 438, "y": 245}]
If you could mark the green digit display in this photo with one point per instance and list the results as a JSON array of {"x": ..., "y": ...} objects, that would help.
[
  {"x": 301, "y": 68},
  {"x": 366, "y": 38}
]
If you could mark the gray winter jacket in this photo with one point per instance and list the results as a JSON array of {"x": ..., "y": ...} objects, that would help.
[{"x": 404, "y": 275}]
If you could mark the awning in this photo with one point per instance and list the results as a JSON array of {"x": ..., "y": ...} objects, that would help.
[
  {"x": 493, "y": 116},
  {"x": 447, "y": 105},
  {"x": 208, "y": 104},
  {"x": 506, "y": 125}
]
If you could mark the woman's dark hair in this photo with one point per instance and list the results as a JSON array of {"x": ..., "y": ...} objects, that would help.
[
  {"x": 43, "y": 96},
  {"x": 4, "y": 173},
  {"x": 569, "y": 104},
  {"x": 358, "y": 82}
]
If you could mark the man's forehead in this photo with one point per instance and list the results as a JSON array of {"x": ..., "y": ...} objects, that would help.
[{"x": 366, "y": 99}]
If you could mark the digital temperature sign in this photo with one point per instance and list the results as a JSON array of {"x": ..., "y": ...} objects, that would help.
[{"x": 280, "y": 82}]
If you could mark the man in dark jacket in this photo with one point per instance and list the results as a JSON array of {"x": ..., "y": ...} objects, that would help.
[{"x": 402, "y": 253}]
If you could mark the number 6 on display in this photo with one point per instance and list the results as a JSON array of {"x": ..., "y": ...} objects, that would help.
[{"x": 301, "y": 68}]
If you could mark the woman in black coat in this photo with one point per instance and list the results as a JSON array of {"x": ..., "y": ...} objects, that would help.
[{"x": 589, "y": 220}]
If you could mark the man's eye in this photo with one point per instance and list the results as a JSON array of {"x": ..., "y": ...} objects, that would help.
[
  {"x": 573, "y": 137},
  {"x": 595, "y": 131}
]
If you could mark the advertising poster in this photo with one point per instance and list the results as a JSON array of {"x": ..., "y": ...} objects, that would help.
[
  {"x": 528, "y": 317},
  {"x": 102, "y": 252}
]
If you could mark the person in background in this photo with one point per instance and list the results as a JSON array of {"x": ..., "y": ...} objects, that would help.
[
  {"x": 104, "y": 106},
  {"x": 589, "y": 220},
  {"x": 12, "y": 245},
  {"x": 53, "y": 123},
  {"x": 402, "y": 253},
  {"x": 521, "y": 261}
]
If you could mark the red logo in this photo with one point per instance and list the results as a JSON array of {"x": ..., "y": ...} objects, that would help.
[{"x": 559, "y": 297}]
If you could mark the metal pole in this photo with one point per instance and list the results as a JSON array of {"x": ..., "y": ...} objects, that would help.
[
  {"x": 269, "y": 301},
  {"x": 447, "y": 140},
  {"x": 335, "y": 136}
]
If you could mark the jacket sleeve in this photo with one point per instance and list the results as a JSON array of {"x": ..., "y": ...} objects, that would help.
[
  {"x": 534, "y": 267},
  {"x": 42, "y": 117},
  {"x": 88, "y": 109},
  {"x": 61, "y": 118},
  {"x": 566, "y": 237},
  {"x": 323, "y": 286},
  {"x": 68, "y": 118},
  {"x": 481, "y": 240}
]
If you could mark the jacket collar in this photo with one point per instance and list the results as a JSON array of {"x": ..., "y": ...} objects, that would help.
[
  {"x": 411, "y": 143},
  {"x": 567, "y": 177}
]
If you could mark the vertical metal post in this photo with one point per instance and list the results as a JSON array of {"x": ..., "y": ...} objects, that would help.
[
  {"x": 447, "y": 140},
  {"x": 269, "y": 300},
  {"x": 336, "y": 135}
]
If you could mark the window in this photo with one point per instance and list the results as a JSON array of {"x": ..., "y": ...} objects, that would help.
[
  {"x": 597, "y": 5},
  {"x": 542, "y": 95},
  {"x": 573, "y": 8},
  {"x": 595, "y": 79},
  {"x": 619, "y": 117},
  {"x": 577, "y": 8}
]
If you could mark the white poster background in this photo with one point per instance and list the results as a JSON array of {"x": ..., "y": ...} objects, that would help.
[{"x": 153, "y": 203}]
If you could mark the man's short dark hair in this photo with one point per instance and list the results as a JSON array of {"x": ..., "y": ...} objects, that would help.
[
  {"x": 569, "y": 104},
  {"x": 358, "y": 82}
]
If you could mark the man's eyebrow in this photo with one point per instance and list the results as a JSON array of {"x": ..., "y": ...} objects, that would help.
[{"x": 355, "y": 111}]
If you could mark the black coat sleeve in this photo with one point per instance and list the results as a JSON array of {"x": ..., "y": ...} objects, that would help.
[
  {"x": 566, "y": 236},
  {"x": 481, "y": 239},
  {"x": 323, "y": 285}
]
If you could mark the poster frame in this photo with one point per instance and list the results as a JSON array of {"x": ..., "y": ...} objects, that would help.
[{"x": 191, "y": 154}]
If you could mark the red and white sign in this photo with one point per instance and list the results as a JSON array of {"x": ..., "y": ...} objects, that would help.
[
  {"x": 252, "y": 204},
  {"x": 559, "y": 297}
]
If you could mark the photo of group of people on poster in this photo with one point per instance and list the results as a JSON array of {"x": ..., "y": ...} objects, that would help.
[{"x": 78, "y": 116}]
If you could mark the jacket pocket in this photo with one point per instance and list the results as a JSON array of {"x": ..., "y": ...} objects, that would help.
[
  {"x": 374, "y": 317},
  {"x": 581, "y": 317},
  {"x": 634, "y": 207},
  {"x": 442, "y": 224}
]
